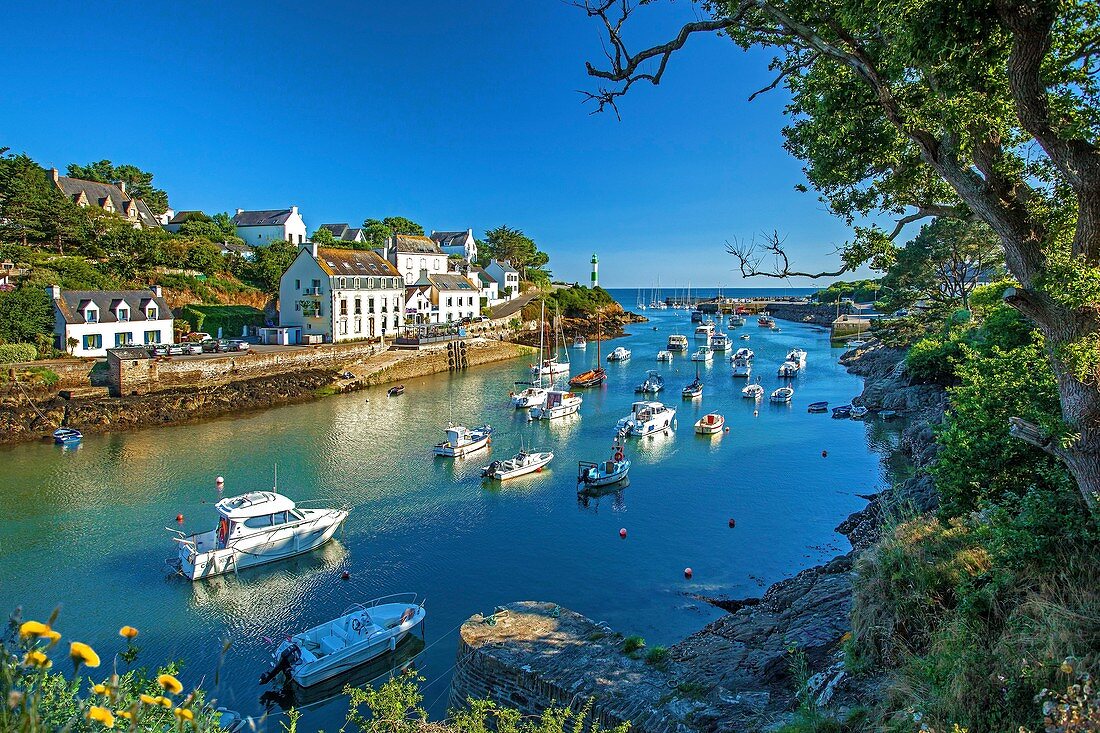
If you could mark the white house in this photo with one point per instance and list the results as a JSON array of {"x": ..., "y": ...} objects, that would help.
[
  {"x": 341, "y": 294},
  {"x": 258, "y": 228},
  {"x": 462, "y": 244},
  {"x": 104, "y": 319},
  {"x": 412, "y": 254},
  {"x": 110, "y": 197},
  {"x": 444, "y": 298},
  {"x": 507, "y": 278},
  {"x": 345, "y": 233},
  {"x": 490, "y": 289}
]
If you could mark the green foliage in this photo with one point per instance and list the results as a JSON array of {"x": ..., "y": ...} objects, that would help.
[
  {"x": 17, "y": 352},
  {"x": 217, "y": 228},
  {"x": 657, "y": 657},
  {"x": 268, "y": 265},
  {"x": 632, "y": 644},
  {"x": 860, "y": 291},
  {"x": 577, "y": 301},
  {"x": 139, "y": 183},
  {"x": 512, "y": 245},
  {"x": 231, "y": 319},
  {"x": 33, "y": 211},
  {"x": 25, "y": 313},
  {"x": 377, "y": 230},
  {"x": 323, "y": 237},
  {"x": 934, "y": 358}
]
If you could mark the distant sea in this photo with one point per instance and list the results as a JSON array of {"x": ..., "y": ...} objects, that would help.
[{"x": 630, "y": 296}]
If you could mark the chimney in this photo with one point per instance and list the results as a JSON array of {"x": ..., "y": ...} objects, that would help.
[
  {"x": 424, "y": 274},
  {"x": 122, "y": 186},
  {"x": 53, "y": 174},
  {"x": 311, "y": 247},
  {"x": 157, "y": 291},
  {"x": 53, "y": 290},
  {"x": 293, "y": 209},
  {"x": 240, "y": 211}
]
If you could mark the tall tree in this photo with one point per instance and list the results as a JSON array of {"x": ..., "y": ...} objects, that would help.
[
  {"x": 377, "y": 230},
  {"x": 506, "y": 243},
  {"x": 139, "y": 183},
  {"x": 32, "y": 210},
  {"x": 973, "y": 110},
  {"x": 945, "y": 262}
]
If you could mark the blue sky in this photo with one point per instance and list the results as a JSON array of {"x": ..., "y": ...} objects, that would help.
[{"x": 454, "y": 114}]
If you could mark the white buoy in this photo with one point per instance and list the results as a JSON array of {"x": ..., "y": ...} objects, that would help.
[{"x": 219, "y": 481}]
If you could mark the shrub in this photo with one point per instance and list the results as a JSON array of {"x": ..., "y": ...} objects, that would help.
[
  {"x": 231, "y": 319},
  {"x": 632, "y": 644},
  {"x": 934, "y": 358},
  {"x": 657, "y": 657},
  {"x": 17, "y": 352}
]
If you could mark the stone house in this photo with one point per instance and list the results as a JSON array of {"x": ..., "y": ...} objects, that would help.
[{"x": 111, "y": 197}]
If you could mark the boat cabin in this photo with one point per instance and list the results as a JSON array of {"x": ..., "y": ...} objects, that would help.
[{"x": 253, "y": 512}]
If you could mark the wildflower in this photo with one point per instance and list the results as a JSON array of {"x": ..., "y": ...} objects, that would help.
[
  {"x": 148, "y": 699},
  {"x": 184, "y": 714},
  {"x": 101, "y": 715},
  {"x": 127, "y": 632},
  {"x": 99, "y": 689},
  {"x": 33, "y": 629},
  {"x": 163, "y": 701},
  {"x": 170, "y": 684},
  {"x": 1068, "y": 665},
  {"x": 36, "y": 658},
  {"x": 83, "y": 654},
  {"x": 124, "y": 714}
]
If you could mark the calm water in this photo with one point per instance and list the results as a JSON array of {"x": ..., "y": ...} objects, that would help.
[{"x": 85, "y": 527}]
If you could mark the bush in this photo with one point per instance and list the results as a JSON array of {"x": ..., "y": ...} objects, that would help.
[
  {"x": 933, "y": 359},
  {"x": 657, "y": 657},
  {"x": 231, "y": 319},
  {"x": 17, "y": 352},
  {"x": 632, "y": 644}
]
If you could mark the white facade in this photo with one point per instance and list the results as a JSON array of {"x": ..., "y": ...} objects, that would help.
[
  {"x": 446, "y": 298},
  {"x": 258, "y": 228},
  {"x": 412, "y": 255},
  {"x": 461, "y": 244},
  {"x": 490, "y": 289},
  {"x": 101, "y": 320},
  {"x": 507, "y": 278},
  {"x": 342, "y": 295}
]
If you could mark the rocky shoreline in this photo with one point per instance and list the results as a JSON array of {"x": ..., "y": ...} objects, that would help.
[{"x": 613, "y": 324}]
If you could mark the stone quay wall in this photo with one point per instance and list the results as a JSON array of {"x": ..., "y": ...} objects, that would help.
[{"x": 72, "y": 373}]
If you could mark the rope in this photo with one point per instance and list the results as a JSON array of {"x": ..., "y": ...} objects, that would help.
[{"x": 29, "y": 400}]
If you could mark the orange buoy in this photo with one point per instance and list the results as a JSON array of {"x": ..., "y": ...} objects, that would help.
[
  {"x": 687, "y": 573},
  {"x": 179, "y": 518},
  {"x": 622, "y": 533}
]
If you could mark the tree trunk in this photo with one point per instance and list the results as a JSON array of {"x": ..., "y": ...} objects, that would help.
[{"x": 1081, "y": 412}]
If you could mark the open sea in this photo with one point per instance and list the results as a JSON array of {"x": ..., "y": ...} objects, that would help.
[{"x": 85, "y": 527}]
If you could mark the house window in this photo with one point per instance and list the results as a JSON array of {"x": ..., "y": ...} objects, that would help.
[
  {"x": 449, "y": 302},
  {"x": 151, "y": 313},
  {"x": 91, "y": 315},
  {"x": 370, "y": 282},
  {"x": 355, "y": 283},
  {"x": 152, "y": 337},
  {"x": 93, "y": 341},
  {"x": 343, "y": 282},
  {"x": 123, "y": 314},
  {"x": 370, "y": 305},
  {"x": 396, "y": 303},
  {"x": 409, "y": 275},
  {"x": 435, "y": 263},
  {"x": 358, "y": 307},
  {"x": 344, "y": 307},
  {"x": 344, "y": 327},
  {"x": 409, "y": 262},
  {"x": 358, "y": 325},
  {"x": 297, "y": 284},
  {"x": 121, "y": 339},
  {"x": 383, "y": 304}
]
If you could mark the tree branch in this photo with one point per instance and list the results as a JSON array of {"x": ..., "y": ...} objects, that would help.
[{"x": 750, "y": 255}]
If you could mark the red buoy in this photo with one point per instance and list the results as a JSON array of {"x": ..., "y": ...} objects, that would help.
[
  {"x": 622, "y": 533},
  {"x": 732, "y": 523},
  {"x": 179, "y": 518},
  {"x": 345, "y": 575},
  {"x": 687, "y": 573}
]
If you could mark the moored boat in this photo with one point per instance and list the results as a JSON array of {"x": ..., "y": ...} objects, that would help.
[
  {"x": 818, "y": 407},
  {"x": 532, "y": 396},
  {"x": 620, "y": 353},
  {"x": 462, "y": 441},
  {"x": 580, "y": 342},
  {"x": 646, "y": 417},
  {"x": 703, "y": 353},
  {"x": 736, "y": 321},
  {"x": 677, "y": 342},
  {"x": 559, "y": 403},
  {"x": 694, "y": 390},
  {"x": 753, "y": 391},
  {"x": 742, "y": 368},
  {"x": 710, "y": 424},
  {"x": 612, "y": 471},
  {"x": 652, "y": 384},
  {"x": 844, "y": 411},
  {"x": 787, "y": 369},
  {"x": 743, "y": 353},
  {"x": 720, "y": 342},
  {"x": 592, "y": 377},
  {"x": 664, "y": 355},
  {"x": 765, "y": 320},
  {"x": 798, "y": 356},
  {"x": 704, "y": 332},
  {"x": 67, "y": 436},
  {"x": 396, "y": 390},
  {"x": 520, "y": 464},
  {"x": 783, "y": 394},
  {"x": 859, "y": 412}
]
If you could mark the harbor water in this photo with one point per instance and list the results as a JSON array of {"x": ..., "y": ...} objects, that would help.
[{"x": 85, "y": 527}]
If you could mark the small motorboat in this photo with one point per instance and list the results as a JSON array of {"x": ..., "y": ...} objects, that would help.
[
  {"x": 858, "y": 413},
  {"x": 520, "y": 464},
  {"x": 744, "y": 337},
  {"x": 743, "y": 353},
  {"x": 362, "y": 633},
  {"x": 765, "y": 320},
  {"x": 842, "y": 412},
  {"x": 532, "y": 396},
  {"x": 462, "y": 441},
  {"x": 710, "y": 424},
  {"x": 653, "y": 383},
  {"x": 742, "y": 368},
  {"x": 255, "y": 528},
  {"x": 704, "y": 333},
  {"x": 753, "y": 391},
  {"x": 67, "y": 436},
  {"x": 783, "y": 394},
  {"x": 818, "y": 407},
  {"x": 720, "y": 342},
  {"x": 580, "y": 342},
  {"x": 620, "y": 353},
  {"x": 664, "y": 355},
  {"x": 559, "y": 403},
  {"x": 736, "y": 321},
  {"x": 697, "y": 316},
  {"x": 888, "y": 414},
  {"x": 855, "y": 343},
  {"x": 788, "y": 369},
  {"x": 703, "y": 353},
  {"x": 612, "y": 471},
  {"x": 396, "y": 390},
  {"x": 798, "y": 356},
  {"x": 646, "y": 417},
  {"x": 693, "y": 390},
  {"x": 550, "y": 367},
  {"x": 677, "y": 342}
]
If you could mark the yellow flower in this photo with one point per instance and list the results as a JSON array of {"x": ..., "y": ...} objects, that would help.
[
  {"x": 163, "y": 701},
  {"x": 184, "y": 714},
  {"x": 36, "y": 658},
  {"x": 99, "y": 689},
  {"x": 124, "y": 714},
  {"x": 53, "y": 636},
  {"x": 128, "y": 632},
  {"x": 170, "y": 683},
  {"x": 83, "y": 654},
  {"x": 33, "y": 629},
  {"x": 102, "y": 715},
  {"x": 148, "y": 699}
]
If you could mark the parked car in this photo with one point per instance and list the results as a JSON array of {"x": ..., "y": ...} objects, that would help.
[
  {"x": 482, "y": 319},
  {"x": 238, "y": 345},
  {"x": 209, "y": 346},
  {"x": 199, "y": 336},
  {"x": 160, "y": 350},
  {"x": 192, "y": 348},
  {"x": 176, "y": 350},
  {"x": 222, "y": 345}
]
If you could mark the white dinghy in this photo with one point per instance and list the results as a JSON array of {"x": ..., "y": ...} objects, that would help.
[
  {"x": 518, "y": 465},
  {"x": 462, "y": 441}
]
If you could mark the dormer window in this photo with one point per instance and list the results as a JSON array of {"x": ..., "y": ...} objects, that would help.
[
  {"x": 91, "y": 315},
  {"x": 151, "y": 313},
  {"x": 123, "y": 314}
]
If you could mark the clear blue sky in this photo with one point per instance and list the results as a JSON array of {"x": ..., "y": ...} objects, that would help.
[{"x": 454, "y": 114}]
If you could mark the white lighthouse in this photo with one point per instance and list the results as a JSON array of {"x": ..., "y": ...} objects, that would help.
[{"x": 595, "y": 270}]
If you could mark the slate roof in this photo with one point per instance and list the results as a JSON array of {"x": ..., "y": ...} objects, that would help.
[
  {"x": 449, "y": 239},
  {"x": 241, "y": 249},
  {"x": 452, "y": 281},
  {"x": 506, "y": 267},
  {"x": 268, "y": 218},
  {"x": 342, "y": 232},
  {"x": 73, "y": 303},
  {"x": 97, "y": 194},
  {"x": 419, "y": 245},
  {"x": 354, "y": 262}
]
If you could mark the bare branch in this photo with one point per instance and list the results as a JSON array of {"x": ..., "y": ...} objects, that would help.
[
  {"x": 750, "y": 255},
  {"x": 786, "y": 71}
]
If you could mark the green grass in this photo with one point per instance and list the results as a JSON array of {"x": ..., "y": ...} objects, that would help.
[
  {"x": 657, "y": 657},
  {"x": 231, "y": 319},
  {"x": 633, "y": 644}
]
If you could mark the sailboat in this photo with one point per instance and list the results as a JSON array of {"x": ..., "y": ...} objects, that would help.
[
  {"x": 597, "y": 376},
  {"x": 534, "y": 394},
  {"x": 550, "y": 366},
  {"x": 695, "y": 389}
]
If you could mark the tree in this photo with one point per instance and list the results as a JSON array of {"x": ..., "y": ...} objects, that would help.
[
  {"x": 24, "y": 313},
  {"x": 944, "y": 263},
  {"x": 376, "y": 231},
  {"x": 269, "y": 263},
  {"x": 139, "y": 183},
  {"x": 323, "y": 238},
  {"x": 986, "y": 111},
  {"x": 32, "y": 209},
  {"x": 512, "y": 245}
]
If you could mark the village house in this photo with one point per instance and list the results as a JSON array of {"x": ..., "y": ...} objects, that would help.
[
  {"x": 259, "y": 228},
  {"x": 413, "y": 254},
  {"x": 507, "y": 278},
  {"x": 441, "y": 298},
  {"x": 341, "y": 295},
  {"x": 111, "y": 197},
  {"x": 345, "y": 233},
  {"x": 490, "y": 288},
  {"x": 88, "y": 322},
  {"x": 457, "y": 244}
]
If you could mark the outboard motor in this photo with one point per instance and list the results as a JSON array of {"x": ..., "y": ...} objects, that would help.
[
  {"x": 290, "y": 656},
  {"x": 491, "y": 468}
]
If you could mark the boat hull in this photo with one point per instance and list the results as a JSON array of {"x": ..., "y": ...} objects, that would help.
[
  {"x": 553, "y": 413},
  {"x": 451, "y": 451}
]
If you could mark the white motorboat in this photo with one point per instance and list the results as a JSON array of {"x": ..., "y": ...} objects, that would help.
[
  {"x": 533, "y": 396},
  {"x": 594, "y": 475},
  {"x": 255, "y": 528},
  {"x": 743, "y": 353},
  {"x": 362, "y": 633},
  {"x": 704, "y": 332},
  {"x": 664, "y": 355},
  {"x": 521, "y": 463},
  {"x": 788, "y": 369},
  {"x": 462, "y": 441},
  {"x": 559, "y": 403},
  {"x": 765, "y": 320},
  {"x": 580, "y": 342},
  {"x": 710, "y": 424},
  {"x": 677, "y": 342},
  {"x": 703, "y": 353},
  {"x": 753, "y": 391},
  {"x": 720, "y": 342},
  {"x": 550, "y": 368},
  {"x": 653, "y": 383},
  {"x": 619, "y": 354},
  {"x": 742, "y": 368},
  {"x": 783, "y": 394},
  {"x": 736, "y": 321},
  {"x": 798, "y": 356},
  {"x": 646, "y": 417},
  {"x": 744, "y": 337},
  {"x": 855, "y": 343}
]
